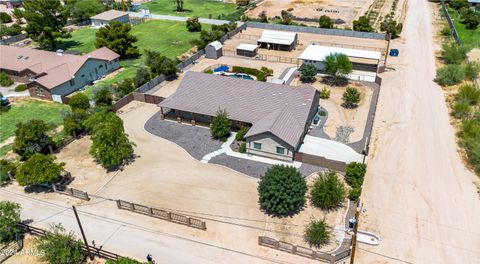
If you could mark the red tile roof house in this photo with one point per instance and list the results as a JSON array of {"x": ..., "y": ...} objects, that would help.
[
  {"x": 279, "y": 116},
  {"x": 54, "y": 75}
]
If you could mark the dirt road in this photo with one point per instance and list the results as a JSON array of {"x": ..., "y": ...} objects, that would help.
[{"x": 418, "y": 195}]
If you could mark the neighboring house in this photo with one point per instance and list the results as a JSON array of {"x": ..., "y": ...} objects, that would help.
[
  {"x": 11, "y": 3},
  {"x": 54, "y": 75},
  {"x": 106, "y": 17},
  {"x": 279, "y": 116},
  {"x": 474, "y": 3}
]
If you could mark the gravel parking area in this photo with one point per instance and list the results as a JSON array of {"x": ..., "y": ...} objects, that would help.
[
  {"x": 255, "y": 168},
  {"x": 196, "y": 140}
]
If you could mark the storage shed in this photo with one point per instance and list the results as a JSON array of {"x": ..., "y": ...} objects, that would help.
[
  {"x": 214, "y": 50},
  {"x": 247, "y": 50},
  {"x": 278, "y": 40},
  {"x": 106, "y": 17}
]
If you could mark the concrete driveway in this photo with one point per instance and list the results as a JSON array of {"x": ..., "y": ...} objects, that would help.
[{"x": 329, "y": 149}]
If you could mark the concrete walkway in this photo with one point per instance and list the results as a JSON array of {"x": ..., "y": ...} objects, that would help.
[
  {"x": 329, "y": 149},
  {"x": 182, "y": 19},
  {"x": 225, "y": 149}
]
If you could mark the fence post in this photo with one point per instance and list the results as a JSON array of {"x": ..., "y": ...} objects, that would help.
[
  {"x": 132, "y": 208},
  {"x": 169, "y": 216},
  {"x": 54, "y": 187},
  {"x": 294, "y": 250},
  {"x": 204, "y": 226},
  {"x": 50, "y": 148},
  {"x": 71, "y": 191},
  {"x": 260, "y": 240},
  {"x": 150, "y": 211},
  {"x": 86, "y": 196},
  {"x": 118, "y": 204},
  {"x": 333, "y": 259},
  {"x": 189, "y": 222}
]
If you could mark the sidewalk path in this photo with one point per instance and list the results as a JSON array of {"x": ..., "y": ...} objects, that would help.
[{"x": 182, "y": 19}]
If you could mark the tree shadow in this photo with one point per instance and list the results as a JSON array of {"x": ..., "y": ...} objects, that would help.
[
  {"x": 331, "y": 81},
  {"x": 69, "y": 44}
]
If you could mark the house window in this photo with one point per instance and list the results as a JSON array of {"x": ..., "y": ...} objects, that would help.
[
  {"x": 106, "y": 65},
  {"x": 72, "y": 82},
  {"x": 257, "y": 145},
  {"x": 280, "y": 150},
  {"x": 101, "y": 66},
  {"x": 39, "y": 92},
  {"x": 96, "y": 71}
]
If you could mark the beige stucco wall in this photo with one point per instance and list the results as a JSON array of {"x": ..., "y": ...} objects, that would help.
[{"x": 269, "y": 149}]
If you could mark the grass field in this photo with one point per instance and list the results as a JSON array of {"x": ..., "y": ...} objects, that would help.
[
  {"x": 26, "y": 110},
  {"x": 470, "y": 38},
  {"x": 168, "y": 37},
  {"x": 200, "y": 8}
]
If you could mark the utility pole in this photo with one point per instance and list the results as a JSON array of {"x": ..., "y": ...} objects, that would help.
[
  {"x": 83, "y": 233},
  {"x": 354, "y": 238}
]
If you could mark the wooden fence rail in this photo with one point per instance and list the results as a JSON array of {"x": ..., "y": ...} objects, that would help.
[
  {"x": 162, "y": 214},
  {"x": 303, "y": 251},
  {"x": 72, "y": 192},
  {"x": 10, "y": 249},
  {"x": 101, "y": 253}
]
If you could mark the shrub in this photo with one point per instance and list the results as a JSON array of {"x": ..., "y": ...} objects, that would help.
[
  {"x": 460, "y": 109},
  {"x": 471, "y": 70},
  {"x": 324, "y": 93},
  {"x": 468, "y": 93},
  {"x": 160, "y": 64},
  {"x": 470, "y": 140},
  {"x": 446, "y": 31},
  {"x": 193, "y": 25},
  {"x": 241, "y": 133},
  {"x": 7, "y": 168},
  {"x": 9, "y": 218},
  {"x": 5, "y": 18},
  {"x": 39, "y": 169},
  {"x": 124, "y": 87},
  {"x": 458, "y": 4},
  {"x": 351, "y": 97},
  {"x": 263, "y": 17},
  {"x": 308, "y": 73},
  {"x": 354, "y": 193},
  {"x": 220, "y": 126},
  {"x": 79, "y": 101},
  {"x": 355, "y": 173},
  {"x": 103, "y": 97},
  {"x": 286, "y": 17},
  {"x": 142, "y": 76},
  {"x": 260, "y": 74},
  {"x": 21, "y": 88},
  {"x": 338, "y": 65},
  {"x": 243, "y": 148},
  {"x": 362, "y": 24},
  {"x": 325, "y": 22},
  {"x": 267, "y": 71},
  {"x": 328, "y": 192},
  {"x": 390, "y": 26},
  {"x": 31, "y": 137},
  {"x": 209, "y": 71},
  {"x": 123, "y": 260},
  {"x": 453, "y": 53},
  {"x": 14, "y": 30},
  {"x": 73, "y": 123},
  {"x": 317, "y": 233},
  {"x": 5, "y": 80},
  {"x": 449, "y": 75},
  {"x": 60, "y": 247},
  {"x": 282, "y": 190}
]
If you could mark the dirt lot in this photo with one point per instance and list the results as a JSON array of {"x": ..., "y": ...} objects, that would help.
[{"x": 347, "y": 10}]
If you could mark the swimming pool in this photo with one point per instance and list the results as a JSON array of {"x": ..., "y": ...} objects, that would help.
[{"x": 241, "y": 76}]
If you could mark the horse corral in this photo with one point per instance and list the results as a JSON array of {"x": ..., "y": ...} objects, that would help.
[{"x": 342, "y": 11}]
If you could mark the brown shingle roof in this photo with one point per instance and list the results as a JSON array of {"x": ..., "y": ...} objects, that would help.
[
  {"x": 279, "y": 109},
  {"x": 58, "y": 69},
  {"x": 109, "y": 15}
]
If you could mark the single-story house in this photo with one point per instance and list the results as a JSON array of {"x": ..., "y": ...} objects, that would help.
[
  {"x": 11, "y": 3},
  {"x": 278, "y": 115},
  {"x": 362, "y": 60},
  {"x": 214, "y": 50},
  {"x": 53, "y": 75},
  {"x": 247, "y": 50},
  {"x": 278, "y": 40},
  {"x": 106, "y": 17},
  {"x": 474, "y": 3}
]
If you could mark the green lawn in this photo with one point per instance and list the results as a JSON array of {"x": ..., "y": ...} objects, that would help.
[
  {"x": 26, "y": 110},
  {"x": 469, "y": 38},
  {"x": 168, "y": 37},
  {"x": 200, "y": 8}
]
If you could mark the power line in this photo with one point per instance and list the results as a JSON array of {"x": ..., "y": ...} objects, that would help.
[
  {"x": 148, "y": 230},
  {"x": 385, "y": 256}
]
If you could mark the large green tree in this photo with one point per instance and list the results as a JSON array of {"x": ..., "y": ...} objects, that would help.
[
  {"x": 337, "y": 65},
  {"x": 111, "y": 146},
  {"x": 325, "y": 22},
  {"x": 328, "y": 192},
  {"x": 117, "y": 37},
  {"x": 31, "y": 137},
  {"x": 84, "y": 9},
  {"x": 9, "y": 218},
  {"x": 79, "y": 101},
  {"x": 308, "y": 73},
  {"x": 282, "y": 190},
  {"x": 220, "y": 126},
  {"x": 39, "y": 169},
  {"x": 160, "y": 64},
  {"x": 46, "y": 21},
  {"x": 193, "y": 25},
  {"x": 59, "y": 247},
  {"x": 73, "y": 122},
  {"x": 362, "y": 24}
]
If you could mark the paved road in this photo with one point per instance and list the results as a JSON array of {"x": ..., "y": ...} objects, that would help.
[
  {"x": 418, "y": 195},
  {"x": 182, "y": 19}
]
